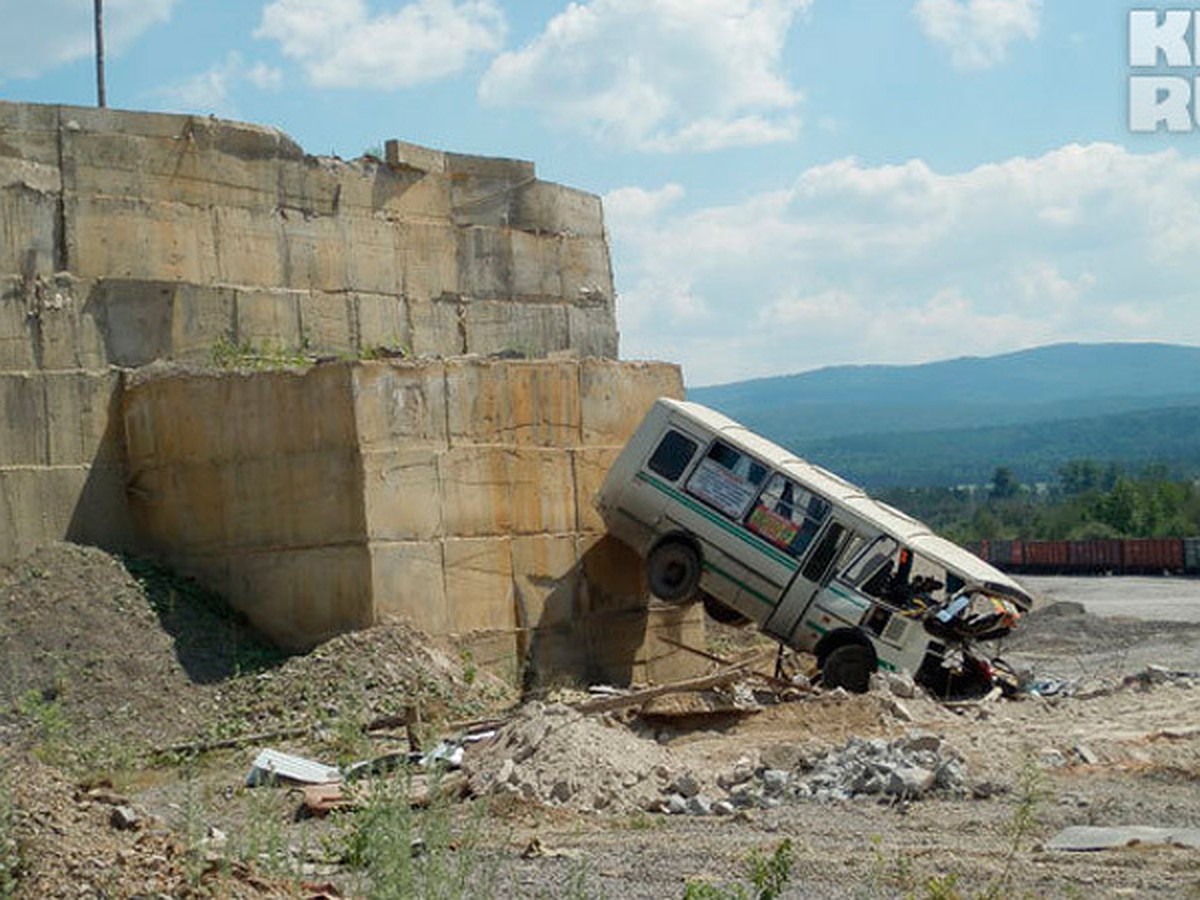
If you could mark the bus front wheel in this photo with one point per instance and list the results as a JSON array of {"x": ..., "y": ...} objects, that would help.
[
  {"x": 673, "y": 570},
  {"x": 850, "y": 667}
]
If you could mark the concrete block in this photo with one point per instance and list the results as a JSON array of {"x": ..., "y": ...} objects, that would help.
[
  {"x": 69, "y": 334},
  {"x": 485, "y": 262},
  {"x": 267, "y": 320},
  {"x": 297, "y": 500},
  {"x": 135, "y": 318},
  {"x": 399, "y": 404},
  {"x": 82, "y": 418},
  {"x": 301, "y": 597},
  {"x": 30, "y": 133},
  {"x": 615, "y": 396},
  {"x": 16, "y": 332},
  {"x": 614, "y": 576},
  {"x": 544, "y": 207},
  {"x": 411, "y": 194},
  {"x": 408, "y": 584},
  {"x": 429, "y": 259},
  {"x": 289, "y": 411},
  {"x": 28, "y": 220},
  {"x": 314, "y": 252},
  {"x": 250, "y": 246},
  {"x": 533, "y": 330},
  {"x": 202, "y": 317},
  {"x": 116, "y": 238},
  {"x": 479, "y": 584},
  {"x": 590, "y": 466},
  {"x": 527, "y": 403},
  {"x": 546, "y": 579},
  {"x": 402, "y": 496},
  {"x": 543, "y": 490},
  {"x": 23, "y": 435},
  {"x": 381, "y": 322},
  {"x": 374, "y": 264},
  {"x": 466, "y": 168},
  {"x": 535, "y": 266},
  {"x": 327, "y": 322},
  {"x": 402, "y": 153},
  {"x": 78, "y": 503},
  {"x": 585, "y": 267},
  {"x": 476, "y": 491},
  {"x": 592, "y": 330},
  {"x": 439, "y": 327},
  {"x": 309, "y": 185}
]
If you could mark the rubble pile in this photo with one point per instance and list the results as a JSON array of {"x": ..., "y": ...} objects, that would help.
[
  {"x": 907, "y": 768},
  {"x": 550, "y": 753}
]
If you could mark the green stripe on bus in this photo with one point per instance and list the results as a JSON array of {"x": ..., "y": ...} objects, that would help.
[
  {"x": 761, "y": 546},
  {"x": 757, "y": 595}
]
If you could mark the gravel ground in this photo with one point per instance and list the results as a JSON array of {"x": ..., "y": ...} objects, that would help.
[{"x": 1108, "y": 742}]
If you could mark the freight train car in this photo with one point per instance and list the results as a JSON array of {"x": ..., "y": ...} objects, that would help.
[{"x": 1114, "y": 556}]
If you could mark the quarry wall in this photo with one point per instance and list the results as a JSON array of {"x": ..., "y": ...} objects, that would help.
[
  {"x": 456, "y": 494},
  {"x": 446, "y": 487}
]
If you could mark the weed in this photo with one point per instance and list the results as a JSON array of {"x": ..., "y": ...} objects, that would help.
[
  {"x": 1029, "y": 798},
  {"x": 44, "y": 711},
  {"x": 10, "y": 848},
  {"x": 469, "y": 670},
  {"x": 401, "y": 853},
  {"x": 767, "y": 874},
  {"x": 231, "y": 354}
]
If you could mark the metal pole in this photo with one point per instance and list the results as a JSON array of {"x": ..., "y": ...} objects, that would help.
[{"x": 100, "y": 98}]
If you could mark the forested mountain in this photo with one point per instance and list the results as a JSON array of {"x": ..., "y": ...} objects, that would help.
[{"x": 953, "y": 422}]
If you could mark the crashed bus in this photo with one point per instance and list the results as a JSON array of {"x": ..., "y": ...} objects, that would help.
[{"x": 719, "y": 513}]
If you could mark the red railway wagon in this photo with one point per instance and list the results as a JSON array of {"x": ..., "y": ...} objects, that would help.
[
  {"x": 1101, "y": 555},
  {"x": 1152, "y": 555},
  {"x": 1047, "y": 556}
]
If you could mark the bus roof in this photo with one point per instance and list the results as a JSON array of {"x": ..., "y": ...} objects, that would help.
[{"x": 910, "y": 532}]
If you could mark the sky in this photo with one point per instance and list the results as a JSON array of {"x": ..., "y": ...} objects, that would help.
[{"x": 787, "y": 184}]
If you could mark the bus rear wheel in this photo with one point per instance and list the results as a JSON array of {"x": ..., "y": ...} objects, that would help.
[
  {"x": 673, "y": 570},
  {"x": 850, "y": 667}
]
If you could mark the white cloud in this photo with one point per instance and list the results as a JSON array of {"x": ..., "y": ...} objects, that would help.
[
  {"x": 658, "y": 75},
  {"x": 40, "y": 36},
  {"x": 211, "y": 91},
  {"x": 901, "y": 263},
  {"x": 340, "y": 43},
  {"x": 978, "y": 32}
]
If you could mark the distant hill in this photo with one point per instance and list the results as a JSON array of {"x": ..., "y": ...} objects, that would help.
[{"x": 954, "y": 421}]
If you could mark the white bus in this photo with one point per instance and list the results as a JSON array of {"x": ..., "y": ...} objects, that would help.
[{"x": 721, "y": 513}]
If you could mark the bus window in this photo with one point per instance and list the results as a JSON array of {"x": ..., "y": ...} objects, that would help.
[
  {"x": 870, "y": 560},
  {"x": 818, "y": 562},
  {"x": 788, "y": 515},
  {"x": 727, "y": 479},
  {"x": 672, "y": 456}
]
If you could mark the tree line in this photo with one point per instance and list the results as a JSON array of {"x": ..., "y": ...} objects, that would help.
[{"x": 1088, "y": 500}]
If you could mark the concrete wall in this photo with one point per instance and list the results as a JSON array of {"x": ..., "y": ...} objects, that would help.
[
  {"x": 456, "y": 494},
  {"x": 129, "y": 237}
]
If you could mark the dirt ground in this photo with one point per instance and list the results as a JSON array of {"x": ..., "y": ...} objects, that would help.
[{"x": 104, "y": 662}]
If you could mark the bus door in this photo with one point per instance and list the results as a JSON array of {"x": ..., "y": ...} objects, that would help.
[
  {"x": 836, "y": 602},
  {"x": 835, "y": 541}
]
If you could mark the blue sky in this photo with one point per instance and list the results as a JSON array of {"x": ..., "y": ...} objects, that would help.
[{"x": 788, "y": 183}]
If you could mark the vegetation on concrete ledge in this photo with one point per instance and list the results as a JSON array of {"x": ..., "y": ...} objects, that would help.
[{"x": 228, "y": 353}]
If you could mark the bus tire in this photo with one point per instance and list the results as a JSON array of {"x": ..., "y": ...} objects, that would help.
[
  {"x": 673, "y": 571},
  {"x": 849, "y": 666}
]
